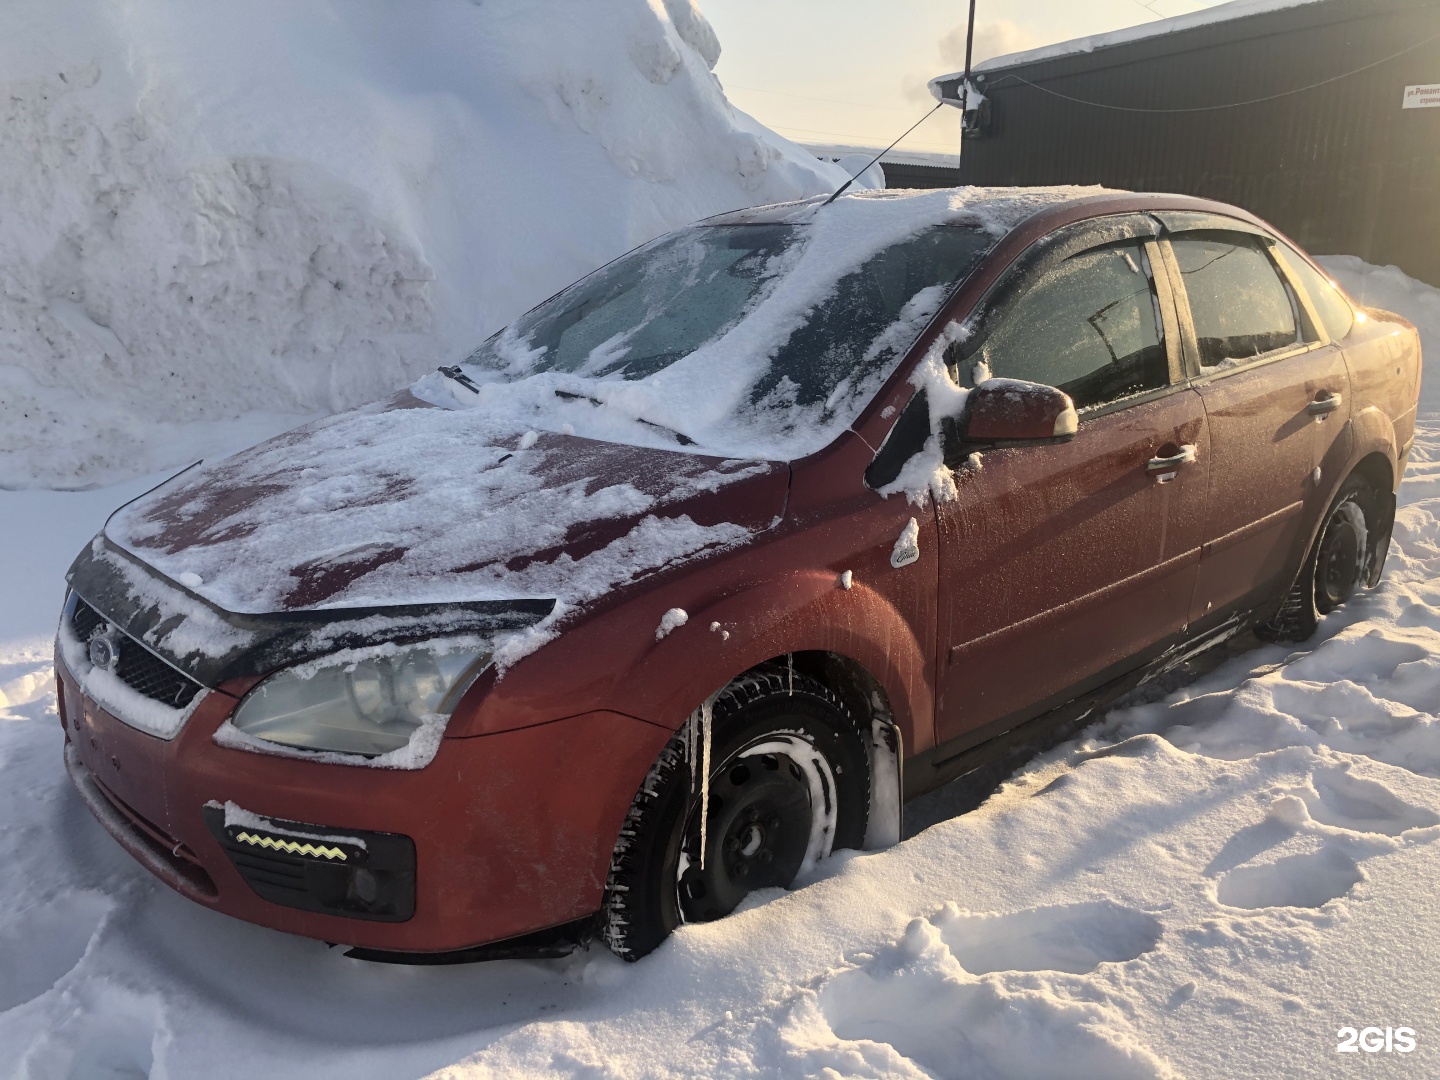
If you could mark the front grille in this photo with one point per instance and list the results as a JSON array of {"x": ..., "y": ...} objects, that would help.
[
  {"x": 86, "y": 620},
  {"x": 136, "y": 666}
]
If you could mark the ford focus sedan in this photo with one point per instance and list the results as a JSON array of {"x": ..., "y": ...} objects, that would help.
[{"x": 697, "y": 571}]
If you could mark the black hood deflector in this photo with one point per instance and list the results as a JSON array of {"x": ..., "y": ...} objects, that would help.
[{"x": 262, "y": 643}]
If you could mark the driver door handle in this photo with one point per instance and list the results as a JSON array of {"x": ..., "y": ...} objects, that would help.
[
  {"x": 1324, "y": 404},
  {"x": 1169, "y": 464}
]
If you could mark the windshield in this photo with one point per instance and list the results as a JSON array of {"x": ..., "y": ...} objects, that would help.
[
  {"x": 647, "y": 309},
  {"x": 748, "y": 340}
]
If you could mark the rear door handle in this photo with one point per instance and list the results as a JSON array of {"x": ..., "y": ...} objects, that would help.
[
  {"x": 1173, "y": 462},
  {"x": 1324, "y": 406}
]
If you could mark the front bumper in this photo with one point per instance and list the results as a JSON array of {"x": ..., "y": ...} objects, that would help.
[{"x": 512, "y": 832}]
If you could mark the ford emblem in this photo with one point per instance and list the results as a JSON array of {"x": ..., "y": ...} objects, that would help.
[{"x": 103, "y": 651}]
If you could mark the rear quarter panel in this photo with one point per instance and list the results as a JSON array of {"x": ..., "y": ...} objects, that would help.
[{"x": 1383, "y": 355}]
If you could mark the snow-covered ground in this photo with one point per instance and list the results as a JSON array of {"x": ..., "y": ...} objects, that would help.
[{"x": 1213, "y": 884}]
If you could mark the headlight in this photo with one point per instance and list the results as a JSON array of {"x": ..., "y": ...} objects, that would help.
[{"x": 361, "y": 703}]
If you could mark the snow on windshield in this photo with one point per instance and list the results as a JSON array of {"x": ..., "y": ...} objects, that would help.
[{"x": 759, "y": 340}]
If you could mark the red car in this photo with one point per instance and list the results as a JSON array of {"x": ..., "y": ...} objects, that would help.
[{"x": 693, "y": 574}]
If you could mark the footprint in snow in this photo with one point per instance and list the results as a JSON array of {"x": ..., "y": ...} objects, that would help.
[
  {"x": 1343, "y": 801},
  {"x": 914, "y": 1010},
  {"x": 1339, "y": 816},
  {"x": 109, "y": 1033},
  {"x": 44, "y": 943},
  {"x": 114, "y": 1051},
  {"x": 1075, "y": 938},
  {"x": 1308, "y": 880}
]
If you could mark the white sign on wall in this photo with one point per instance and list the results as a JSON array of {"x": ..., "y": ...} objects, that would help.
[{"x": 1422, "y": 97}]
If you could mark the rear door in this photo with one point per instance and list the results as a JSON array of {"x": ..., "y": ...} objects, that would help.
[
  {"x": 1061, "y": 563},
  {"x": 1383, "y": 365},
  {"x": 1276, "y": 401}
]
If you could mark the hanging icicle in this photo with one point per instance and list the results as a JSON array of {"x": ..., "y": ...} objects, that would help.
[
  {"x": 707, "y": 717},
  {"x": 790, "y": 657},
  {"x": 699, "y": 734}
]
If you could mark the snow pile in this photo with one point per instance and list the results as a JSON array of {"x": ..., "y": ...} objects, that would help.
[
  {"x": 1390, "y": 288},
  {"x": 213, "y": 209}
]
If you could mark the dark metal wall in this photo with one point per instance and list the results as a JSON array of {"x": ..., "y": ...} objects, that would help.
[
  {"x": 899, "y": 175},
  {"x": 1340, "y": 167}
]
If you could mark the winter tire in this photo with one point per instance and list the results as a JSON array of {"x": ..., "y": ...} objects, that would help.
[
  {"x": 1339, "y": 563},
  {"x": 789, "y": 782}
]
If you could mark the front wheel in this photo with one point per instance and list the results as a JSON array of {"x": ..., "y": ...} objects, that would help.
[
  {"x": 1338, "y": 564},
  {"x": 789, "y": 782}
]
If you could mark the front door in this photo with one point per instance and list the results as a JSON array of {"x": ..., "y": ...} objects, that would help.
[{"x": 1060, "y": 564}]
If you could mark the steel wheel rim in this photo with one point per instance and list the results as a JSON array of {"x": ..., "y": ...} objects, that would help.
[
  {"x": 771, "y": 818},
  {"x": 1339, "y": 564}
]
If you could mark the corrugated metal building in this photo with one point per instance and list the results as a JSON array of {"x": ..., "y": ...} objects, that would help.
[
  {"x": 1314, "y": 115},
  {"x": 907, "y": 174},
  {"x": 902, "y": 168}
]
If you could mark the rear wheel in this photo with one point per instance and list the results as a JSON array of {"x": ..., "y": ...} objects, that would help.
[
  {"x": 789, "y": 783},
  {"x": 1338, "y": 564}
]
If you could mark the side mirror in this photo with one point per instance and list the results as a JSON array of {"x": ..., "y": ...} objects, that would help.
[{"x": 1010, "y": 410}]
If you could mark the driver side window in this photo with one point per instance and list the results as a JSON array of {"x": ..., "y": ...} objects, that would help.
[{"x": 1089, "y": 326}]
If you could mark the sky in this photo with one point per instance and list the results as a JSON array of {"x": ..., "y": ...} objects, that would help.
[{"x": 854, "y": 71}]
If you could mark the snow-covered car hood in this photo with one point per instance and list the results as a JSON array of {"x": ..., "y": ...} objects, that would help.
[{"x": 405, "y": 504}]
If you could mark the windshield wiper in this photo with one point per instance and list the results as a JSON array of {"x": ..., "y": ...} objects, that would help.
[
  {"x": 454, "y": 372},
  {"x": 680, "y": 437}
]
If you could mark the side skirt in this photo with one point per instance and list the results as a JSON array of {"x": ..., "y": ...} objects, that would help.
[{"x": 989, "y": 762}]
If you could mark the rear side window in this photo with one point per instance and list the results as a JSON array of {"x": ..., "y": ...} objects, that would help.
[
  {"x": 1090, "y": 327},
  {"x": 1240, "y": 306},
  {"x": 1334, "y": 310}
]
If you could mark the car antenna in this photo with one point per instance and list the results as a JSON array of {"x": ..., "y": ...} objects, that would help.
[{"x": 841, "y": 189}]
